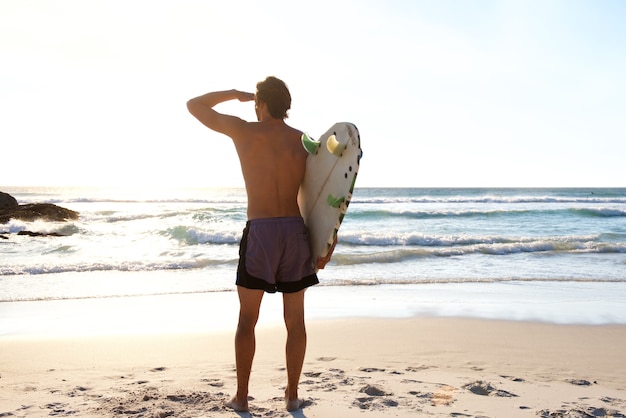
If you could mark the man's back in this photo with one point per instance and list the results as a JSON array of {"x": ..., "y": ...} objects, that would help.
[{"x": 273, "y": 163}]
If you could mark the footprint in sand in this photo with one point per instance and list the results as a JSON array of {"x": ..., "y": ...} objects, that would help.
[
  {"x": 580, "y": 411},
  {"x": 614, "y": 402},
  {"x": 58, "y": 408},
  {"x": 372, "y": 403},
  {"x": 376, "y": 399},
  {"x": 374, "y": 391},
  {"x": 487, "y": 389},
  {"x": 417, "y": 368},
  {"x": 216, "y": 383},
  {"x": 512, "y": 378},
  {"x": 371, "y": 369},
  {"x": 443, "y": 397},
  {"x": 578, "y": 382},
  {"x": 78, "y": 389}
]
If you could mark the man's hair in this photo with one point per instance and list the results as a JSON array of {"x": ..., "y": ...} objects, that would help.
[{"x": 274, "y": 92}]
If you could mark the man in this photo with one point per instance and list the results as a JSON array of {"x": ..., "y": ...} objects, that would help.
[{"x": 275, "y": 252}]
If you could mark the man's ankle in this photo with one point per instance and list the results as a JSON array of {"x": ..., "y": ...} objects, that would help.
[{"x": 238, "y": 404}]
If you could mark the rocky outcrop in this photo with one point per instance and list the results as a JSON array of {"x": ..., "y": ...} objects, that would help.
[
  {"x": 40, "y": 234},
  {"x": 35, "y": 211},
  {"x": 10, "y": 209},
  {"x": 7, "y": 201}
]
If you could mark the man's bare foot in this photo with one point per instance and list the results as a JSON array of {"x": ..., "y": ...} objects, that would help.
[
  {"x": 238, "y": 406},
  {"x": 294, "y": 404}
]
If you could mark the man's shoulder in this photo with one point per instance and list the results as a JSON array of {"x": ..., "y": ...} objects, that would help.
[
  {"x": 290, "y": 130},
  {"x": 295, "y": 131},
  {"x": 272, "y": 129}
]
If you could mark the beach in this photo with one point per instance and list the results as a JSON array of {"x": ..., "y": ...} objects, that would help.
[
  {"x": 121, "y": 358},
  {"x": 480, "y": 260},
  {"x": 437, "y": 302},
  {"x": 354, "y": 368}
]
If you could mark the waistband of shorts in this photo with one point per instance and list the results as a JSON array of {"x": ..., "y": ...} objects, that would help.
[{"x": 281, "y": 220}]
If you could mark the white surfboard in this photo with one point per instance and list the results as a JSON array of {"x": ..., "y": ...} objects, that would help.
[{"x": 326, "y": 191}]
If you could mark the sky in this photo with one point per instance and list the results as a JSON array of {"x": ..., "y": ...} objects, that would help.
[{"x": 444, "y": 93}]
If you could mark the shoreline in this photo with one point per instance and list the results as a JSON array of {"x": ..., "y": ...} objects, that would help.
[
  {"x": 546, "y": 302},
  {"x": 376, "y": 367}
]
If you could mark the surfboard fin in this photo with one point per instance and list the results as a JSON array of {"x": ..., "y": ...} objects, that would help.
[
  {"x": 310, "y": 145},
  {"x": 335, "y": 202},
  {"x": 334, "y": 146}
]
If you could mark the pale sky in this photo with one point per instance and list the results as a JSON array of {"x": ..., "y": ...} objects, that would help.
[{"x": 444, "y": 93}]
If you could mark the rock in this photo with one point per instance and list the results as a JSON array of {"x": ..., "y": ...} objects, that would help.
[
  {"x": 40, "y": 234},
  {"x": 7, "y": 201},
  {"x": 9, "y": 209},
  {"x": 35, "y": 211}
]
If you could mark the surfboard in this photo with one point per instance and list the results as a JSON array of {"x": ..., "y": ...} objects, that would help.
[{"x": 326, "y": 191}]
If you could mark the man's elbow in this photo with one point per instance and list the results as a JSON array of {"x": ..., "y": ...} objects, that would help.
[
  {"x": 198, "y": 110},
  {"x": 192, "y": 106},
  {"x": 202, "y": 112}
]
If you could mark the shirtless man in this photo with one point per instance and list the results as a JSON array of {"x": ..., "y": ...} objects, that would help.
[{"x": 275, "y": 252}]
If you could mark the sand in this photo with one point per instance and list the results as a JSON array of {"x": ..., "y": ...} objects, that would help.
[{"x": 354, "y": 368}]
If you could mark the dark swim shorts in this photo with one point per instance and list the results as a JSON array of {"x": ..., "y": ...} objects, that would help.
[{"x": 275, "y": 255}]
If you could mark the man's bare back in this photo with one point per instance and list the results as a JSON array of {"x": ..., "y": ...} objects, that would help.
[
  {"x": 272, "y": 158},
  {"x": 273, "y": 162}
]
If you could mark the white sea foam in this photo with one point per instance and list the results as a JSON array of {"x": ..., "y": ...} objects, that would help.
[{"x": 489, "y": 199}]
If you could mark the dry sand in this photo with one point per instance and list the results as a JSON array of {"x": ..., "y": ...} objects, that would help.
[{"x": 354, "y": 368}]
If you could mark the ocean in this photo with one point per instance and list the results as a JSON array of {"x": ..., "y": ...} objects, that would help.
[{"x": 541, "y": 254}]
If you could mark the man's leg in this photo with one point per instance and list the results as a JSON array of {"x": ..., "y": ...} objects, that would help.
[
  {"x": 293, "y": 310},
  {"x": 249, "y": 305}
]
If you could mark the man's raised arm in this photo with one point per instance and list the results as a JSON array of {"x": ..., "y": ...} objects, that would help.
[{"x": 201, "y": 108}]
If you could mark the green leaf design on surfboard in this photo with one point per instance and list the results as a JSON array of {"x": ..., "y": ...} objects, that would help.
[{"x": 335, "y": 201}]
